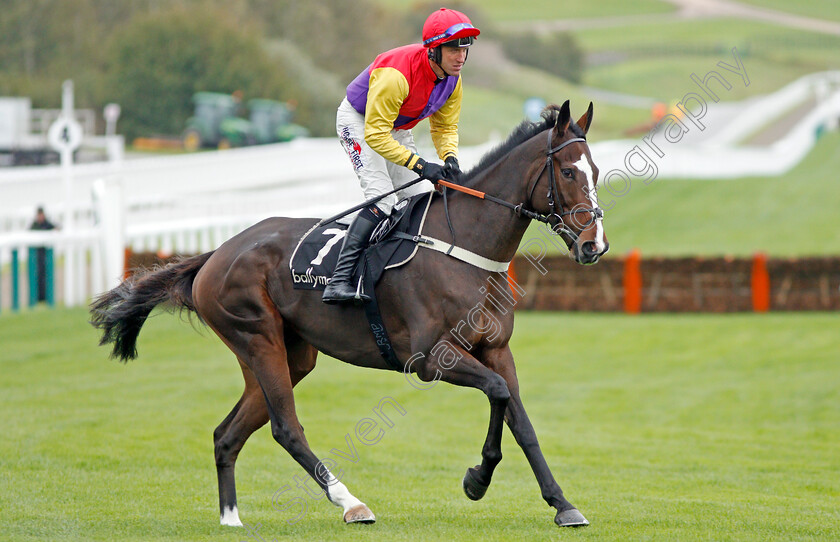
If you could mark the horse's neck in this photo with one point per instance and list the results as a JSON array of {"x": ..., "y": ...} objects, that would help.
[{"x": 489, "y": 229}]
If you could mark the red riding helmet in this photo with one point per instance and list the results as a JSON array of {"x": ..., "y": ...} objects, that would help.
[{"x": 446, "y": 25}]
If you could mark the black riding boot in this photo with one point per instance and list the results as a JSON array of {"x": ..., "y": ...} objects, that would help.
[{"x": 340, "y": 289}]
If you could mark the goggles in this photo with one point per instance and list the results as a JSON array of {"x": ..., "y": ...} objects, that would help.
[
  {"x": 451, "y": 31},
  {"x": 460, "y": 42}
]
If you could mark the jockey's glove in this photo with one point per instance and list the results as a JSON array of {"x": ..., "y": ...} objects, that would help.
[
  {"x": 453, "y": 170},
  {"x": 430, "y": 170}
]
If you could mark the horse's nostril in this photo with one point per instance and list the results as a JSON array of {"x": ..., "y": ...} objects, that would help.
[{"x": 589, "y": 248}]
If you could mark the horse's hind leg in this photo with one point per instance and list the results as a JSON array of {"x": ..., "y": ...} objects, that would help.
[
  {"x": 248, "y": 415},
  {"x": 275, "y": 368}
]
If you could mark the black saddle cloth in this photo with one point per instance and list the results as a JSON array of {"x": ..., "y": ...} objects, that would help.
[{"x": 316, "y": 254}]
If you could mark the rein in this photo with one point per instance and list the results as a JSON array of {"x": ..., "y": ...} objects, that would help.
[{"x": 552, "y": 195}]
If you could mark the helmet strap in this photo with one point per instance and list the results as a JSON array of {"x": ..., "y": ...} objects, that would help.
[{"x": 436, "y": 56}]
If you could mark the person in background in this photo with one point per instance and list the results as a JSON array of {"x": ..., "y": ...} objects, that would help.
[
  {"x": 41, "y": 222},
  {"x": 399, "y": 89}
]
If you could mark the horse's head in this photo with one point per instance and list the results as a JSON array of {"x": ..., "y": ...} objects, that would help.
[{"x": 566, "y": 185}]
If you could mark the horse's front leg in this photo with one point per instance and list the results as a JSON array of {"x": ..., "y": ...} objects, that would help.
[
  {"x": 523, "y": 432},
  {"x": 456, "y": 366},
  {"x": 519, "y": 424}
]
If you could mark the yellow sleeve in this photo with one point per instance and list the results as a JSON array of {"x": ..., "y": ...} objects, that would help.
[
  {"x": 443, "y": 125},
  {"x": 387, "y": 90}
]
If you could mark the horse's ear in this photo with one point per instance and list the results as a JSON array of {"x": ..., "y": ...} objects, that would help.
[
  {"x": 586, "y": 119},
  {"x": 563, "y": 119}
]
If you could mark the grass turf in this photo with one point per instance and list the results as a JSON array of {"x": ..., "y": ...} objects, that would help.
[
  {"x": 689, "y": 427},
  {"x": 787, "y": 215}
]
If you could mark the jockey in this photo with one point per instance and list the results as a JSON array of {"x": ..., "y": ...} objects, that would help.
[{"x": 399, "y": 89}]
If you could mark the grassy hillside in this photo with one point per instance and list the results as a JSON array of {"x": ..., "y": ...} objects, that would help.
[
  {"x": 493, "y": 103},
  {"x": 540, "y": 10},
  {"x": 820, "y": 9},
  {"x": 653, "y": 60},
  {"x": 657, "y": 59},
  {"x": 686, "y": 428}
]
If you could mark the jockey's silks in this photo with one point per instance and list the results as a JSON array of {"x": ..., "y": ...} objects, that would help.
[{"x": 398, "y": 90}]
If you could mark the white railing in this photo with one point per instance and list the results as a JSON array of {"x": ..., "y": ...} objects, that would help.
[
  {"x": 79, "y": 276},
  {"x": 717, "y": 157},
  {"x": 193, "y": 203},
  {"x": 757, "y": 114}
]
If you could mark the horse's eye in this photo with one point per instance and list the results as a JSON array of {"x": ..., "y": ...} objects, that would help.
[{"x": 567, "y": 173}]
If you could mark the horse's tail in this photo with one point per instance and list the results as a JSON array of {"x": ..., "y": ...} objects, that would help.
[{"x": 121, "y": 312}]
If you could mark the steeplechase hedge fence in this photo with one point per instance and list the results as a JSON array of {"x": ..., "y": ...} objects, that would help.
[
  {"x": 692, "y": 284},
  {"x": 634, "y": 283}
]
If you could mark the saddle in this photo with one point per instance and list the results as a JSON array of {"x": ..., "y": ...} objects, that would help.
[{"x": 392, "y": 244}]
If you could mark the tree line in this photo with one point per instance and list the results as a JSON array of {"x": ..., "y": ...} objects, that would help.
[{"x": 151, "y": 56}]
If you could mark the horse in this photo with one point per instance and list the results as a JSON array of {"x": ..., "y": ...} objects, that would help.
[{"x": 243, "y": 291}]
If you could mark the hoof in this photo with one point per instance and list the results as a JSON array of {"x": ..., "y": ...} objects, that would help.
[
  {"x": 359, "y": 514},
  {"x": 570, "y": 518},
  {"x": 230, "y": 517},
  {"x": 472, "y": 487}
]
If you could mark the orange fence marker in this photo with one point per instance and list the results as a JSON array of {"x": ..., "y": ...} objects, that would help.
[
  {"x": 633, "y": 282},
  {"x": 126, "y": 265},
  {"x": 760, "y": 283},
  {"x": 511, "y": 279}
]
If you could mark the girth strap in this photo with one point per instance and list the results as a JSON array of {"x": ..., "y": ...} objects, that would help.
[
  {"x": 456, "y": 252},
  {"x": 377, "y": 325}
]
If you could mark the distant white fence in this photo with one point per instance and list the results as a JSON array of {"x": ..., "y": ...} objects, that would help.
[
  {"x": 175, "y": 204},
  {"x": 192, "y": 203},
  {"x": 756, "y": 114},
  {"x": 81, "y": 273},
  {"x": 192, "y": 182},
  {"x": 717, "y": 157}
]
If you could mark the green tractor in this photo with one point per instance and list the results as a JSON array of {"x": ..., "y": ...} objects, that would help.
[
  {"x": 272, "y": 122},
  {"x": 216, "y": 124}
]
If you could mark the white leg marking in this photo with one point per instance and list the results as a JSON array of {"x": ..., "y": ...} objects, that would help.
[
  {"x": 355, "y": 511},
  {"x": 231, "y": 517},
  {"x": 583, "y": 165},
  {"x": 339, "y": 495}
]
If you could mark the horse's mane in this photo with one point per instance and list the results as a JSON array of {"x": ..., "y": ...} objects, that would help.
[{"x": 522, "y": 133}]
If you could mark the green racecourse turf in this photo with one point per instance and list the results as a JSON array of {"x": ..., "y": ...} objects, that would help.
[
  {"x": 788, "y": 215},
  {"x": 658, "y": 427}
]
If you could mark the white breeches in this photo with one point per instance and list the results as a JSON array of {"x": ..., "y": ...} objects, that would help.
[{"x": 376, "y": 174}]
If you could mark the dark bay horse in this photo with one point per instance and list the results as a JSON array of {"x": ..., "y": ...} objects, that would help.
[{"x": 243, "y": 291}]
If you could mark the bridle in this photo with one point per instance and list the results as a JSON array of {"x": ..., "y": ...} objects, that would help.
[
  {"x": 553, "y": 195},
  {"x": 557, "y": 212}
]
